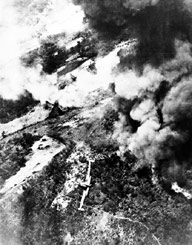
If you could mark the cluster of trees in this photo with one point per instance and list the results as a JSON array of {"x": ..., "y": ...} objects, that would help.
[
  {"x": 10, "y": 109},
  {"x": 52, "y": 57}
]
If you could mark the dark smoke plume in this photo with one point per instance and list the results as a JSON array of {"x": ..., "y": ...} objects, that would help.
[
  {"x": 156, "y": 123},
  {"x": 174, "y": 148},
  {"x": 156, "y": 24}
]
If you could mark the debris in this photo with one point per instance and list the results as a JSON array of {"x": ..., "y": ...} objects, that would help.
[
  {"x": 87, "y": 185},
  {"x": 76, "y": 175}
]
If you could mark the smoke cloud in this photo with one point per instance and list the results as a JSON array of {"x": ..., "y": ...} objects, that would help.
[
  {"x": 23, "y": 25},
  {"x": 156, "y": 25},
  {"x": 31, "y": 22},
  {"x": 153, "y": 83},
  {"x": 161, "y": 102}
]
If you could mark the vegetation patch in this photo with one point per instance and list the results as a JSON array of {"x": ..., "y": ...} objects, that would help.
[
  {"x": 117, "y": 189},
  {"x": 11, "y": 109},
  {"x": 42, "y": 222}
]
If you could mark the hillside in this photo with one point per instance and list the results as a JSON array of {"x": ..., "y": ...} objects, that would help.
[
  {"x": 41, "y": 196},
  {"x": 95, "y": 123}
]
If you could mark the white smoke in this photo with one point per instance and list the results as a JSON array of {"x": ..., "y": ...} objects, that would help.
[
  {"x": 64, "y": 17},
  {"x": 30, "y": 22},
  {"x": 22, "y": 25},
  {"x": 130, "y": 85},
  {"x": 76, "y": 93}
]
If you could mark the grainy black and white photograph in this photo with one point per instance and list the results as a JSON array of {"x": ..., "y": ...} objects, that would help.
[{"x": 95, "y": 122}]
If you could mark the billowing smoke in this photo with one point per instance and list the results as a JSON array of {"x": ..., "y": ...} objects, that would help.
[
  {"x": 32, "y": 24},
  {"x": 24, "y": 24},
  {"x": 168, "y": 145},
  {"x": 156, "y": 24},
  {"x": 160, "y": 102},
  {"x": 155, "y": 103},
  {"x": 152, "y": 82}
]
